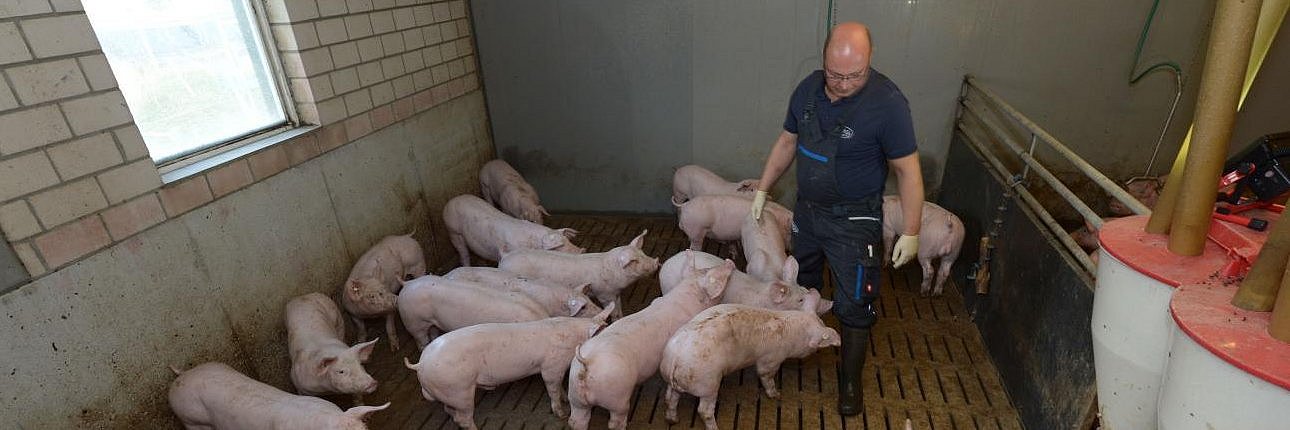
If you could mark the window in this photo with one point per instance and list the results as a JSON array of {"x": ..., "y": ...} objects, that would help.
[{"x": 196, "y": 74}]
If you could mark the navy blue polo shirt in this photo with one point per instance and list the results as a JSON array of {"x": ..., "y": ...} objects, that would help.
[{"x": 880, "y": 130}]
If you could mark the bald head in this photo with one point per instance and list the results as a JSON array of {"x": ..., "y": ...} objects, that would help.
[{"x": 846, "y": 59}]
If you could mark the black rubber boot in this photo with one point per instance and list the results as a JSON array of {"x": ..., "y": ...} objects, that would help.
[{"x": 854, "y": 341}]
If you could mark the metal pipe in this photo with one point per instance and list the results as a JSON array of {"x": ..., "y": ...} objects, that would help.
[
  {"x": 972, "y": 135},
  {"x": 1093, "y": 174},
  {"x": 1259, "y": 289},
  {"x": 1066, "y": 193},
  {"x": 1220, "y": 91}
]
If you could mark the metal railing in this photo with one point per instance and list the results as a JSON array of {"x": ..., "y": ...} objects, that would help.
[{"x": 985, "y": 120}]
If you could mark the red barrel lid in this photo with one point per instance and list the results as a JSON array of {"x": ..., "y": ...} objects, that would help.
[
  {"x": 1149, "y": 253},
  {"x": 1240, "y": 337}
]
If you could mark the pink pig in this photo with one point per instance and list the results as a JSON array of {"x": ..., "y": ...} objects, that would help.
[
  {"x": 692, "y": 180},
  {"x": 940, "y": 237},
  {"x": 721, "y": 217},
  {"x": 451, "y": 367},
  {"x": 433, "y": 302},
  {"x": 370, "y": 291},
  {"x": 764, "y": 248},
  {"x": 729, "y": 337},
  {"x": 214, "y": 396},
  {"x": 503, "y": 186},
  {"x": 607, "y": 369},
  {"x": 556, "y": 299},
  {"x": 781, "y": 294},
  {"x": 474, "y": 225},
  {"x": 321, "y": 362},
  {"x": 607, "y": 273}
]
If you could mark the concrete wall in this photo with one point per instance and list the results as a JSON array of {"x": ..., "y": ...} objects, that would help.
[
  {"x": 199, "y": 269},
  {"x": 595, "y": 103}
]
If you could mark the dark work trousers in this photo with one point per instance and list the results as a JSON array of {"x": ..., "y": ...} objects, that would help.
[{"x": 849, "y": 236}]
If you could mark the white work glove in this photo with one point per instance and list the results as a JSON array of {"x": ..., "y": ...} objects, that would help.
[
  {"x": 759, "y": 200},
  {"x": 906, "y": 249}
]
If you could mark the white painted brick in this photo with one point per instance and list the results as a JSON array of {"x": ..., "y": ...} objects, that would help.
[
  {"x": 358, "y": 26},
  {"x": 393, "y": 43},
  {"x": 442, "y": 12},
  {"x": 331, "y": 111},
  {"x": 295, "y": 38},
  {"x": 84, "y": 156},
  {"x": 406, "y": 2},
  {"x": 448, "y": 30},
  {"x": 403, "y": 19},
  {"x": 24, "y": 174},
  {"x": 370, "y": 73},
  {"x": 126, "y": 182},
  {"x": 306, "y": 35},
  {"x": 29, "y": 258},
  {"x": 403, "y": 86},
  {"x": 284, "y": 11},
  {"x": 17, "y": 221},
  {"x": 308, "y": 112},
  {"x": 345, "y": 54},
  {"x": 463, "y": 27},
  {"x": 311, "y": 89},
  {"x": 392, "y": 67},
  {"x": 413, "y": 61},
  {"x": 10, "y": 8},
  {"x": 68, "y": 202},
  {"x": 383, "y": 21},
  {"x": 424, "y": 14},
  {"x": 458, "y": 8},
  {"x": 356, "y": 6},
  {"x": 98, "y": 72},
  {"x": 293, "y": 65},
  {"x": 370, "y": 49},
  {"x": 332, "y": 31},
  {"x": 413, "y": 39},
  {"x": 30, "y": 128},
  {"x": 464, "y": 47},
  {"x": 440, "y": 74},
  {"x": 59, "y": 35},
  {"x": 382, "y": 94},
  {"x": 433, "y": 55},
  {"x": 67, "y": 5},
  {"x": 7, "y": 99},
  {"x": 382, "y": 4},
  {"x": 470, "y": 64},
  {"x": 449, "y": 50},
  {"x": 316, "y": 61},
  {"x": 332, "y": 7},
  {"x": 98, "y": 112},
  {"x": 12, "y": 49},
  {"x": 433, "y": 35},
  {"x": 345, "y": 80},
  {"x": 41, "y": 82},
  {"x": 423, "y": 79},
  {"x": 358, "y": 102},
  {"x": 131, "y": 142}
]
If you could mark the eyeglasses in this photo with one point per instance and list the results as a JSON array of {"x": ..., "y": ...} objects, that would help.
[{"x": 843, "y": 78}]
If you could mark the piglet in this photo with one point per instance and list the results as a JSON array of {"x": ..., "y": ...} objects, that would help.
[
  {"x": 781, "y": 294},
  {"x": 373, "y": 284},
  {"x": 433, "y": 302},
  {"x": 474, "y": 225},
  {"x": 607, "y": 369},
  {"x": 451, "y": 367},
  {"x": 721, "y": 217},
  {"x": 321, "y": 362},
  {"x": 1147, "y": 191},
  {"x": 729, "y": 337},
  {"x": 556, "y": 299},
  {"x": 214, "y": 396},
  {"x": 607, "y": 273},
  {"x": 501, "y": 185},
  {"x": 939, "y": 238},
  {"x": 692, "y": 180},
  {"x": 764, "y": 248}
]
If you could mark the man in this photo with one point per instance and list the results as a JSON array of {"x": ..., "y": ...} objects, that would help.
[{"x": 853, "y": 123}]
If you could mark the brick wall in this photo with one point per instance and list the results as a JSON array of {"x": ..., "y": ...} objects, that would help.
[{"x": 75, "y": 176}]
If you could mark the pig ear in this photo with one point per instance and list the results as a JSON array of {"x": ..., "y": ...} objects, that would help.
[
  {"x": 778, "y": 292},
  {"x": 544, "y": 212},
  {"x": 639, "y": 241},
  {"x": 789, "y": 274},
  {"x": 575, "y": 306},
  {"x": 364, "y": 350},
  {"x": 582, "y": 289},
  {"x": 325, "y": 364},
  {"x": 716, "y": 279},
  {"x": 603, "y": 316},
  {"x": 567, "y": 232},
  {"x": 553, "y": 241},
  {"x": 361, "y": 412},
  {"x": 811, "y": 302},
  {"x": 625, "y": 258}
]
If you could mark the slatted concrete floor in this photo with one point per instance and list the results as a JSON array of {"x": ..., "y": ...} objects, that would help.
[{"x": 926, "y": 363}]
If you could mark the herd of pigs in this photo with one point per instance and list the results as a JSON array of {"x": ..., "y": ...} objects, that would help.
[{"x": 547, "y": 309}]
